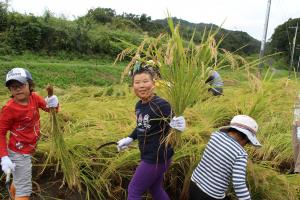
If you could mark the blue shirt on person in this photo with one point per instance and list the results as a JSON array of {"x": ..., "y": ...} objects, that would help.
[{"x": 152, "y": 127}]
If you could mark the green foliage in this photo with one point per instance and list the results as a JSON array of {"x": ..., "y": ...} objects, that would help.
[
  {"x": 101, "y": 15},
  {"x": 109, "y": 91},
  {"x": 3, "y": 16},
  {"x": 282, "y": 38},
  {"x": 63, "y": 73},
  {"x": 231, "y": 40},
  {"x": 51, "y": 35}
]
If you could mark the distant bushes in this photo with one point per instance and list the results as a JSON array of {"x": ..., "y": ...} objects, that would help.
[
  {"x": 99, "y": 32},
  {"x": 51, "y": 35}
]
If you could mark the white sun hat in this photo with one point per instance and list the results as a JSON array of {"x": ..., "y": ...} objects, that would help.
[{"x": 245, "y": 125}]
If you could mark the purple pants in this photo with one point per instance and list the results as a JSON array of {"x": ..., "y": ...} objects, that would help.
[{"x": 148, "y": 177}]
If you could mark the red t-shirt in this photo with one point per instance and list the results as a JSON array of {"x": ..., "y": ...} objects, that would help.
[{"x": 23, "y": 122}]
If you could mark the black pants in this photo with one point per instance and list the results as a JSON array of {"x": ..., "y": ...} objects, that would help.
[{"x": 197, "y": 194}]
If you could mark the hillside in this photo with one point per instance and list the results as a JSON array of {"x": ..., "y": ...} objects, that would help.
[
  {"x": 233, "y": 39},
  {"x": 101, "y": 32}
]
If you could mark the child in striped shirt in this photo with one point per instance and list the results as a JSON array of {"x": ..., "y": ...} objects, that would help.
[{"x": 225, "y": 160}]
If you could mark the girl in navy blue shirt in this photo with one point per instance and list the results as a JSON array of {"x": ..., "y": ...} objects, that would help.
[{"x": 153, "y": 115}]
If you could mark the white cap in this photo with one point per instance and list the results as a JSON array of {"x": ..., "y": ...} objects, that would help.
[
  {"x": 18, "y": 74},
  {"x": 246, "y": 125}
]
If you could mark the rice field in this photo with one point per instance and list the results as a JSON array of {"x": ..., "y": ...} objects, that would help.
[
  {"x": 92, "y": 116},
  {"x": 69, "y": 165}
]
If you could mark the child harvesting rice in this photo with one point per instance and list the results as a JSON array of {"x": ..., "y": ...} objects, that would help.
[
  {"x": 20, "y": 116},
  {"x": 153, "y": 115}
]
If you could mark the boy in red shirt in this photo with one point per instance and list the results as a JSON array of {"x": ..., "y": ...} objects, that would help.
[{"x": 20, "y": 116}]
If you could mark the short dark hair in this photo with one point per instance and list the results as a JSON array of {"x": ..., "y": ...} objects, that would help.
[
  {"x": 30, "y": 83},
  {"x": 239, "y": 132},
  {"x": 142, "y": 68}
]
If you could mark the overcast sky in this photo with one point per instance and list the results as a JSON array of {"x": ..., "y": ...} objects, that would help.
[{"x": 241, "y": 15}]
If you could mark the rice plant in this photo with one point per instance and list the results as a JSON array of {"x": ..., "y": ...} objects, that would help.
[
  {"x": 105, "y": 174},
  {"x": 60, "y": 152}
]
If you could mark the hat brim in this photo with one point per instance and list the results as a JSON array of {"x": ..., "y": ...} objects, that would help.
[
  {"x": 19, "y": 79},
  {"x": 251, "y": 137}
]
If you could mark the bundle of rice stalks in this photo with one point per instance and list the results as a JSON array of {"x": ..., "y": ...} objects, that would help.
[
  {"x": 60, "y": 152},
  {"x": 183, "y": 66}
]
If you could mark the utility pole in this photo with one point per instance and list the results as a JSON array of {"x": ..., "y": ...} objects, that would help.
[
  {"x": 293, "y": 49},
  {"x": 298, "y": 64},
  {"x": 263, "y": 40}
]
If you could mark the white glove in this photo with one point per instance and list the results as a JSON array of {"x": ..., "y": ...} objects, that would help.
[
  {"x": 178, "y": 123},
  {"x": 52, "y": 102},
  {"x": 123, "y": 143},
  {"x": 7, "y": 165}
]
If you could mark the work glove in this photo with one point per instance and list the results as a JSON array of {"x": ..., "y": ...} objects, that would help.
[
  {"x": 52, "y": 102},
  {"x": 7, "y": 165},
  {"x": 123, "y": 143},
  {"x": 178, "y": 123}
]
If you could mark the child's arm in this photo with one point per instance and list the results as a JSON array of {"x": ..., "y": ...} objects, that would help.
[
  {"x": 123, "y": 143},
  {"x": 177, "y": 123},
  {"x": 43, "y": 104},
  {"x": 5, "y": 124},
  {"x": 133, "y": 135}
]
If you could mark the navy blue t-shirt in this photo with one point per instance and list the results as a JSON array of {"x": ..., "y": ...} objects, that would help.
[{"x": 152, "y": 127}]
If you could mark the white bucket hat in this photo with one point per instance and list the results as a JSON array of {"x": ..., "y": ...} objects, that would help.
[{"x": 246, "y": 125}]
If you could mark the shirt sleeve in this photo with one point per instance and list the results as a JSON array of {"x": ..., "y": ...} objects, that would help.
[
  {"x": 133, "y": 135},
  {"x": 209, "y": 79},
  {"x": 163, "y": 110},
  {"x": 5, "y": 124},
  {"x": 41, "y": 102},
  {"x": 239, "y": 178}
]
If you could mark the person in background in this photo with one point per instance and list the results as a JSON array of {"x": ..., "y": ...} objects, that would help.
[
  {"x": 296, "y": 136},
  {"x": 224, "y": 160},
  {"x": 20, "y": 117},
  {"x": 216, "y": 83},
  {"x": 153, "y": 123},
  {"x": 296, "y": 147}
]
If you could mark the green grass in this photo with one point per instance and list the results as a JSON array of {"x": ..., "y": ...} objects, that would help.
[{"x": 64, "y": 73}]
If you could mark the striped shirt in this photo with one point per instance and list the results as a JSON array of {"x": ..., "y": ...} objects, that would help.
[{"x": 223, "y": 159}]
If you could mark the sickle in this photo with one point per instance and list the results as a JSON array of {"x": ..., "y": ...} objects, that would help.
[{"x": 106, "y": 144}]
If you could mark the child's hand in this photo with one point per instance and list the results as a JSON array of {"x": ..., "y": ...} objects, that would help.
[
  {"x": 52, "y": 102},
  {"x": 123, "y": 143},
  {"x": 7, "y": 165},
  {"x": 178, "y": 123}
]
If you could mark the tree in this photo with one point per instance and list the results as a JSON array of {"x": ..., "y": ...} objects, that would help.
[
  {"x": 3, "y": 17},
  {"x": 144, "y": 21},
  {"x": 101, "y": 15},
  {"x": 282, "y": 37}
]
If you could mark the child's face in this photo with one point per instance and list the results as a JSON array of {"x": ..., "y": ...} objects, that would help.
[
  {"x": 143, "y": 86},
  {"x": 19, "y": 91}
]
